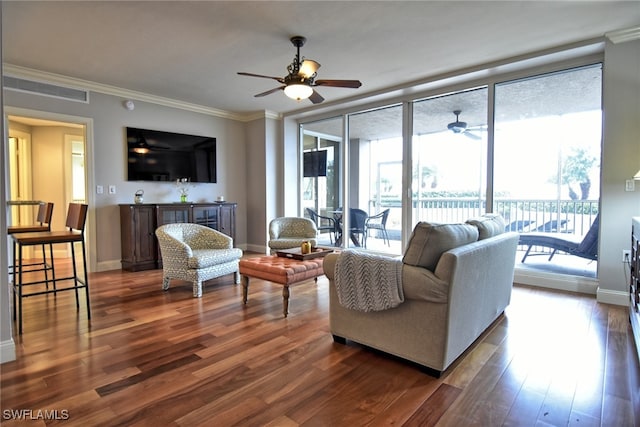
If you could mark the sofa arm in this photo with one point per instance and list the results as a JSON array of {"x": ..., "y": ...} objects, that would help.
[
  {"x": 481, "y": 279},
  {"x": 329, "y": 264}
]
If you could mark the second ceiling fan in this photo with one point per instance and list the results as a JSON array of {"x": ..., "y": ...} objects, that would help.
[
  {"x": 461, "y": 127},
  {"x": 300, "y": 82}
]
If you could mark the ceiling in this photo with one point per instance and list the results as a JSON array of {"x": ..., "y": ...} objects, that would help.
[{"x": 192, "y": 51}]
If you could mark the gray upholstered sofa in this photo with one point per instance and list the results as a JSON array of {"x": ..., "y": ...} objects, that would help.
[{"x": 456, "y": 280}]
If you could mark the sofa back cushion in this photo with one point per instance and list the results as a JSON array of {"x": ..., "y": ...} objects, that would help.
[
  {"x": 488, "y": 225},
  {"x": 429, "y": 241}
]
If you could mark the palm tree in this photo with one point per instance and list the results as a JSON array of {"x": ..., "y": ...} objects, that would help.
[{"x": 575, "y": 170}]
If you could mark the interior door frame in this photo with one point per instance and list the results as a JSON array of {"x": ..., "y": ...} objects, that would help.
[{"x": 90, "y": 229}]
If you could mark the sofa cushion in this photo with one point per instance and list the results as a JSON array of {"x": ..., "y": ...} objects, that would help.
[
  {"x": 429, "y": 241},
  {"x": 488, "y": 225}
]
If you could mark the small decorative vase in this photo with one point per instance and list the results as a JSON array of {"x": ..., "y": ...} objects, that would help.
[
  {"x": 183, "y": 198},
  {"x": 138, "y": 197}
]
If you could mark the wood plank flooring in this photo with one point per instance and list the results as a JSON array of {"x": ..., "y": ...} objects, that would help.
[{"x": 154, "y": 358}]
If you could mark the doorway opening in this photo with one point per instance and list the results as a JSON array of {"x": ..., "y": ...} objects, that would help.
[{"x": 47, "y": 162}]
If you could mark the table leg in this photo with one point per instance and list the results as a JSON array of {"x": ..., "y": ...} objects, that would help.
[
  {"x": 245, "y": 288},
  {"x": 285, "y": 300}
]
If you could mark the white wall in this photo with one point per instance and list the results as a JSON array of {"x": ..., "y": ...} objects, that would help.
[
  {"x": 109, "y": 153},
  {"x": 256, "y": 171},
  {"x": 620, "y": 161},
  {"x": 7, "y": 345}
]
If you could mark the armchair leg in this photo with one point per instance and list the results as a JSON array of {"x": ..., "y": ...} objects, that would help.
[
  {"x": 236, "y": 277},
  {"x": 197, "y": 289},
  {"x": 165, "y": 283}
]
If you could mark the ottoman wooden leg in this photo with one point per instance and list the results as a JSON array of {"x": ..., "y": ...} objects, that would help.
[
  {"x": 245, "y": 288},
  {"x": 285, "y": 300}
]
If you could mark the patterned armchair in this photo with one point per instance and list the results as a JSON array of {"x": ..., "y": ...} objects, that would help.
[
  {"x": 196, "y": 253},
  {"x": 291, "y": 232}
]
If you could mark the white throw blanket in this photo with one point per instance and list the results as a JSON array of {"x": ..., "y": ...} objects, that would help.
[{"x": 367, "y": 282}]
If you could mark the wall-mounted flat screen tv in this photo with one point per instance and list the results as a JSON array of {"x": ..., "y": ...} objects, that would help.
[
  {"x": 314, "y": 163},
  {"x": 166, "y": 156}
]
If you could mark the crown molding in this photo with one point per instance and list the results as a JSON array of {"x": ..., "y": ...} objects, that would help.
[
  {"x": 621, "y": 36},
  {"x": 80, "y": 84}
]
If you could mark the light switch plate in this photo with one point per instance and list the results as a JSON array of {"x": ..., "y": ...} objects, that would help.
[
  {"x": 112, "y": 189},
  {"x": 630, "y": 185},
  {"x": 99, "y": 189}
]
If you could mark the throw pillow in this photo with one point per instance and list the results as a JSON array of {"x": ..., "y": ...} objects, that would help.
[
  {"x": 429, "y": 241},
  {"x": 488, "y": 225}
]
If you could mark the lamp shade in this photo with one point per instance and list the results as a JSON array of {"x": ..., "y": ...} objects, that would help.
[
  {"x": 298, "y": 91},
  {"x": 637, "y": 176},
  {"x": 308, "y": 68}
]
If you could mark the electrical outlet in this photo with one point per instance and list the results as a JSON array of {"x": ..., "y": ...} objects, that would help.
[
  {"x": 626, "y": 255},
  {"x": 99, "y": 189}
]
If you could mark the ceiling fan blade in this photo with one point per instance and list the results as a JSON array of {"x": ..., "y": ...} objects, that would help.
[
  {"x": 308, "y": 68},
  {"x": 269, "y": 91},
  {"x": 278, "y": 79},
  {"x": 316, "y": 98},
  {"x": 354, "y": 84},
  {"x": 471, "y": 135}
]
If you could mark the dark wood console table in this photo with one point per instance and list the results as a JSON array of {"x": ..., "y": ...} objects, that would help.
[{"x": 138, "y": 223}]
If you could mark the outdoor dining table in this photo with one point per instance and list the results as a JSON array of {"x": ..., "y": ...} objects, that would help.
[{"x": 337, "y": 215}]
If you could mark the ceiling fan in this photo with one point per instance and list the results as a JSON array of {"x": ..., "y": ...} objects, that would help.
[
  {"x": 461, "y": 127},
  {"x": 300, "y": 82}
]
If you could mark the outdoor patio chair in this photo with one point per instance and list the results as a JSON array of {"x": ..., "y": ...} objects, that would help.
[
  {"x": 358, "y": 226},
  {"x": 323, "y": 223},
  {"x": 586, "y": 247},
  {"x": 379, "y": 222}
]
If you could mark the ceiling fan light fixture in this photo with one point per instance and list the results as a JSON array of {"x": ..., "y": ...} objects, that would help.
[
  {"x": 141, "y": 150},
  {"x": 298, "y": 91}
]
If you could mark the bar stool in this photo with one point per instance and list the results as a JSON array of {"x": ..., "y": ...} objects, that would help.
[
  {"x": 76, "y": 218},
  {"x": 43, "y": 223}
]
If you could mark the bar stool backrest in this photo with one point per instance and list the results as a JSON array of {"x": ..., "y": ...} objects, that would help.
[
  {"x": 45, "y": 212},
  {"x": 76, "y": 216}
]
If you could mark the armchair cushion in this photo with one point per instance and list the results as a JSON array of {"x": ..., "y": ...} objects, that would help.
[
  {"x": 202, "y": 258},
  {"x": 429, "y": 241}
]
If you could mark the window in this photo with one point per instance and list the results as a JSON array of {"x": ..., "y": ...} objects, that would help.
[
  {"x": 528, "y": 149},
  {"x": 547, "y": 151}
]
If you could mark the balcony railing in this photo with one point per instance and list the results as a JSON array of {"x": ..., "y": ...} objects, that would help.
[{"x": 522, "y": 215}]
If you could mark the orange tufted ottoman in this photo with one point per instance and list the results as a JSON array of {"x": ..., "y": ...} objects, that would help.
[{"x": 285, "y": 271}]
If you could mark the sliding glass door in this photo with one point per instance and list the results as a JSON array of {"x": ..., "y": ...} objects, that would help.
[
  {"x": 375, "y": 180},
  {"x": 321, "y": 175},
  {"x": 449, "y": 152},
  {"x": 548, "y": 134}
]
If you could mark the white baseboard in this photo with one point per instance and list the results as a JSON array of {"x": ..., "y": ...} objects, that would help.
[
  {"x": 583, "y": 285},
  {"x": 257, "y": 248},
  {"x": 109, "y": 265},
  {"x": 7, "y": 351},
  {"x": 608, "y": 296}
]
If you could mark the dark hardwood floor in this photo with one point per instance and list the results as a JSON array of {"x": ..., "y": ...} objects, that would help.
[{"x": 155, "y": 358}]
